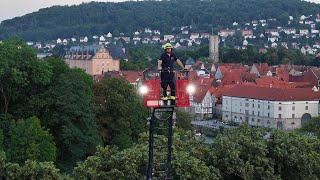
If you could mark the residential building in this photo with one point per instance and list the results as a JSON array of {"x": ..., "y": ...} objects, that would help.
[
  {"x": 279, "y": 108},
  {"x": 247, "y": 33},
  {"x": 168, "y": 37},
  {"x": 194, "y": 36},
  {"x": 201, "y": 102},
  {"x": 95, "y": 60},
  {"x": 303, "y": 32},
  {"x": 227, "y": 32}
]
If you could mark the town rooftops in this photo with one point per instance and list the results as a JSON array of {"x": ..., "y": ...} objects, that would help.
[{"x": 273, "y": 94}]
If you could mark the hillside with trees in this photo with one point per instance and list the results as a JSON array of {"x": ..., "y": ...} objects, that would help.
[{"x": 98, "y": 18}]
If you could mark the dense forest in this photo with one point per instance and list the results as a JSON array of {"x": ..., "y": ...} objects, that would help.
[{"x": 99, "y": 18}]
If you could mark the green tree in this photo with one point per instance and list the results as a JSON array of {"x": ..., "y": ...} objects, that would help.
[
  {"x": 294, "y": 156},
  {"x": 184, "y": 120},
  {"x": 311, "y": 127},
  {"x": 29, "y": 170},
  {"x": 204, "y": 16},
  {"x": 110, "y": 163},
  {"x": 242, "y": 153},
  {"x": 119, "y": 111},
  {"x": 20, "y": 72},
  {"x": 131, "y": 163},
  {"x": 190, "y": 167},
  {"x": 28, "y": 140},
  {"x": 70, "y": 118}
]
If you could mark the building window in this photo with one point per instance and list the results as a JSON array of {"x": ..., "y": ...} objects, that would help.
[
  {"x": 240, "y": 110},
  {"x": 268, "y": 114},
  {"x": 247, "y": 104},
  {"x": 280, "y": 108},
  {"x": 307, "y": 107},
  {"x": 293, "y": 116},
  {"x": 258, "y": 120},
  {"x": 293, "y": 108},
  {"x": 226, "y": 115},
  {"x": 252, "y": 120},
  {"x": 259, "y": 106},
  {"x": 247, "y": 112},
  {"x": 268, "y": 122},
  {"x": 258, "y": 113},
  {"x": 240, "y": 118},
  {"x": 253, "y": 105},
  {"x": 240, "y": 103},
  {"x": 252, "y": 112},
  {"x": 279, "y": 116},
  {"x": 235, "y": 117},
  {"x": 268, "y": 106}
]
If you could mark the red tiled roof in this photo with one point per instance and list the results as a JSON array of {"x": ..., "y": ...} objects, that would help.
[
  {"x": 273, "y": 94},
  {"x": 202, "y": 86},
  {"x": 193, "y": 75},
  {"x": 248, "y": 77},
  {"x": 230, "y": 66},
  {"x": 262, "y": 68},
  {"x": 217, "y": 91},
  {"x": 200, "y": 93},
  {"x": 132, "y": 76},
  {"x": 300, "y": 85},
  {"x": 309, "y": 76},
  {"x": 203, "y": 81},
  {"x": 271, "y": 82},
  {"x": 232, "y": 76}
]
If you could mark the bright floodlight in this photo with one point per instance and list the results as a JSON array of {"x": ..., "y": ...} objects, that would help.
[
  {"x": 143, "y": 90},
  {"x": 191, "y": 89}
]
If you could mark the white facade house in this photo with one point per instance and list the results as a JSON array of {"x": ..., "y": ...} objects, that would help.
[
  {"x": 168, "y": 37},
  {"x": 277, "y": 108},
  {"x": 59, "y": 41},
  {"x": 202, "y": 105},
  {"x": 194, "y": 35},
  {"x": 289, "y": 30},
  {"x": 109, "y": 35},
  {"x": 102, "y": 39},
  {"x": 304, "y": 32}
]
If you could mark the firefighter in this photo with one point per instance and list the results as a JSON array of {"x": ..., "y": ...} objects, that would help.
[{"x": 165, "y": 65}]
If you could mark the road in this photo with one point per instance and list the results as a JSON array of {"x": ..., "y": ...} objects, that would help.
[{"x": 211, "y": 124}]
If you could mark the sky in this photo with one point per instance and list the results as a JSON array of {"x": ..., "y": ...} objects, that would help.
[{"x": 13, "y": 8}]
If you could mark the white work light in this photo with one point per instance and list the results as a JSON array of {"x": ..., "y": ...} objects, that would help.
[
  {"x": 191, "y": 89},
  {"x": 143, "y": 90}
]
